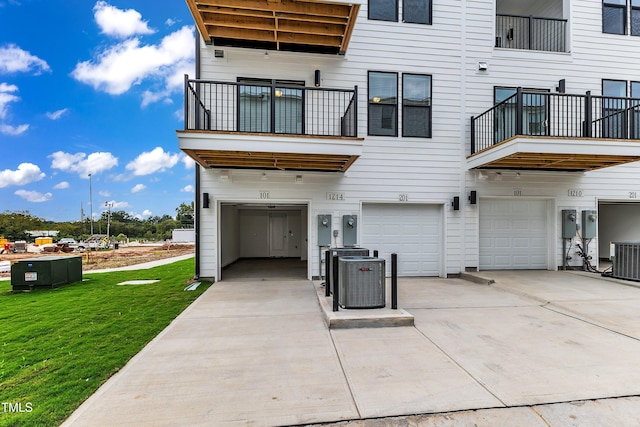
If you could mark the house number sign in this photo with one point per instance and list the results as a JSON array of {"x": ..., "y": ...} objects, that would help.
[
  {"x": 264, "y": 194},
  {"x": 335, "y": 196},
  {"x": 576, "y": 193}
]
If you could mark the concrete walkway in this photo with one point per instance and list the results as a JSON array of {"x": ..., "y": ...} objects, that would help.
[{"x": 533, "y": 349}]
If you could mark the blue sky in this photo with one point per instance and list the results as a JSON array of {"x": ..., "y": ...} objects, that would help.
[{"x": 93, "y": 87}]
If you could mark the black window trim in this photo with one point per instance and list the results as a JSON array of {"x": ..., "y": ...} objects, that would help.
[
  {"x": 430, "y": 105},
  {"x": 614, "y": 80},
  {"x": 395, "y": 135}
]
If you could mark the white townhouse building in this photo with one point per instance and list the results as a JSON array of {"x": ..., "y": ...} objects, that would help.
[{"x": 463, "y": 135}]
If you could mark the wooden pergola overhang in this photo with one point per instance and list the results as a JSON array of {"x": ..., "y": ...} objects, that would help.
[
  {"x": 556, "y": 154},
  {"x": 289, "y": 25}
]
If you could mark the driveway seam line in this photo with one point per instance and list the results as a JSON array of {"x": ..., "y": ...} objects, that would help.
[
  {"x": 344, "y": 372},
  {"x": 455, "y": 362},
  {"x": 588, "y": 322}
]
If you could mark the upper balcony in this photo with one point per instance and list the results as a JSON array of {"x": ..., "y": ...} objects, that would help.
[
  {"x": 528, "y": 25},
  {"x": 555, "y": 131},
  {"x": 291, "y": 25},
  {"x": 275, "y": 125}
]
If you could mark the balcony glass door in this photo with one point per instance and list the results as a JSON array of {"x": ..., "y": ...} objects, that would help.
[
  {"x": 270, "y": 106},
  {"x": 534, "y": 112}
]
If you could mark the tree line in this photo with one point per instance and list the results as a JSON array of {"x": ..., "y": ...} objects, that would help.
[{"x": 122, "y": 225}]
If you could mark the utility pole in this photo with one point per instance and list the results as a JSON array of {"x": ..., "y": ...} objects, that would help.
[
  {"x": 109, "y": 205},
  {"x": 91, "y": 203}
]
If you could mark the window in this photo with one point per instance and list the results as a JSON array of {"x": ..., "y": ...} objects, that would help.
[
  {"x": 635, "y": 17},
  {"x": 255, "y": 106},
  {"x": 614, "y": 109},
  {"x": 383, "y": 10},
  {"x": 416, "y": 105},
  {"x": 383, "y": 103},
  {"x": 416, "y": 11},
  {"x": 413, "y": 11},
  {"x": 614, "y": 16}
]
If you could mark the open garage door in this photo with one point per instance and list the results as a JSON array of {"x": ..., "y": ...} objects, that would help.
[
  {"x": 271, "y": 238},
  {"x": 618, "y": 221},
  {"x": 513, "y": 234},
  {"x": 414, "y": 232}
]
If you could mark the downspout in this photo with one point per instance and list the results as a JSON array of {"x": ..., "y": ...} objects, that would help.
[{"x": 197, "y": 171}]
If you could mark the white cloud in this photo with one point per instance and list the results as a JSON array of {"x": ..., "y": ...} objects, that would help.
[
  {"x": 6, "y": 96},
  {"x": 170, "y": 22},
  {"x": 188, "y": 162},
  {"x": 128, "y": 63},
  {"x": 147, "y": 212},
  {"x": 119, "y": 23},
  {"x": 153, "y": 161},
  {"x": 138, "y": 188},
  {"x": 187, "y": 189},
  {"x": 13, "y": 130},
  {"x": 61, "y": 186},
  {"x": 57, "y": 114},
  {"x": 34, "y": 196},
  {"x": 82, "y": 164},
  {"x": 117, "y": 205},
  {"x": 13, "y": 60},
  {"x": 25, "y": 174},
  {"x": 104, "y": 193}
]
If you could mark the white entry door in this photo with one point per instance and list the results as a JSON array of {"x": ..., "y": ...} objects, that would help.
[{"x": 278, "y": 246}]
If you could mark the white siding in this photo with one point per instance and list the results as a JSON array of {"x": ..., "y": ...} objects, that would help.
[{"x": 432, "y": 171}]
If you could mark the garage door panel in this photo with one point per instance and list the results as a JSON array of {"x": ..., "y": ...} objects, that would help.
[
  {"x": 412, "y": 231},
  {"x": 513, "y": 234}
]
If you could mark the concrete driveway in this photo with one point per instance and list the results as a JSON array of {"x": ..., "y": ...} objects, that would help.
[{"x": 258, "y": 353}]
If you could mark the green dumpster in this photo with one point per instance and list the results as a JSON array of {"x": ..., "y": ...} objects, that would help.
[{"x": 50, "y": 271}]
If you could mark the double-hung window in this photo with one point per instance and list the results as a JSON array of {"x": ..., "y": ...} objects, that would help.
[
  {"x": 416, "y": 105},
  {"x": 383, "y": 103}
]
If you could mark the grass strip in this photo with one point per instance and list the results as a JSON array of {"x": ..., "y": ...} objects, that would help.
[{"x": 58, "y": 346}]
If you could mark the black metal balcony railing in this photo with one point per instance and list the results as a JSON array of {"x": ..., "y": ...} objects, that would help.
[
  {"x": 556, "y": 115},
  {"x": 531, "y": 33},
  {"x": 275, "y": 108}
]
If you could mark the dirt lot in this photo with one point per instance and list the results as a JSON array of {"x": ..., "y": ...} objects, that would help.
[{"x": 124, "y": 256}]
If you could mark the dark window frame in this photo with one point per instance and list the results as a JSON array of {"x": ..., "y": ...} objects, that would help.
[
  {"x": 429, "y": 19},
  {"x": 369, "y": 103},
  {"x": 369, "y": 8},
  {"x": 615, "y": 126},
  {"x": 429, "y": 107},
  {"x": 625, "y": 17}
]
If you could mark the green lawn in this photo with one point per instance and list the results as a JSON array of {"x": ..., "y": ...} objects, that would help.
[{"x": 57, "y": 346}]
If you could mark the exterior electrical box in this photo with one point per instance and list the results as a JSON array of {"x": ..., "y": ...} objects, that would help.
[
  {"x": 324, "y": 230},
  {"x": 568, "y": 223},
  {"x": 349, "y": 230},
  {"x": 589, "y": 222}
]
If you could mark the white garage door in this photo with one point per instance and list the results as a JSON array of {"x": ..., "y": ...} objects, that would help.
[
  {"x": 513, "y": 234},
  {"x": 414, "y": 232}
]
